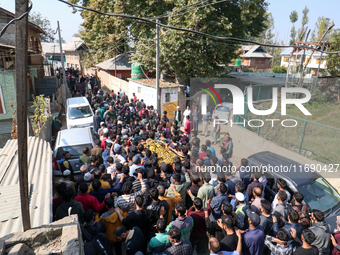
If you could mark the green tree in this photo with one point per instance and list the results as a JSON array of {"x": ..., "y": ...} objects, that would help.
[
  {"x": 293, "y": 18},
  {"x": 45, "y": 24},
  {"x": 320, "y": 28},
  {"x": 304, "y": 21},
  {"x": 333, "y": 61},
  {"x": 184, "y": 54}
]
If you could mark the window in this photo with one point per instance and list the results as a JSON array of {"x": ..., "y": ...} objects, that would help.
[
  {"x": 75, "y": 150},
  {"x": 257, "y": 61},
  {"x": 167, "y": 97},
  {"x": 318, "y": 194},
  {"x": 79, "y": 112},
  {"x": 263, "y": 61},
  {"x": 318, "y": 61},
  {"x": 285, "y": 59}
]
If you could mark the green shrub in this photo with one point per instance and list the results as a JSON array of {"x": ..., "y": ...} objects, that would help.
[{"x": 279, "y": 69}]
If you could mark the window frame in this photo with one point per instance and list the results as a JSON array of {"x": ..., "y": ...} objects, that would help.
[{"x": 2, "y": 102}]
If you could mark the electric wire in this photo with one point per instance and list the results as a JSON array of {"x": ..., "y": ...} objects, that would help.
[{"x": 3, "y": 30}]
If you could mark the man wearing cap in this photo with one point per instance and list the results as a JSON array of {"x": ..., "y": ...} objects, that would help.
[
  {"x": 118, "y": 157},
  {"x": 67, "y": 179},
  {"x": 81, "y": 178},
  {"x": 241, "y": 209},
  {"x": 253, "y": 239},
  {"x": 178, "y": 116}
]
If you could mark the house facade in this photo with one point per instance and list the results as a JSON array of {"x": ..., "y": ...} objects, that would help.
[
  {"x": 52, "y": 56},
  {"x": 298, "y": 55},
  {"x": 7, "y": 63},
  {"x": 119, "y": 66},
  {"x": 74, "y": 51},
  {"x": 255, "y": 57}
]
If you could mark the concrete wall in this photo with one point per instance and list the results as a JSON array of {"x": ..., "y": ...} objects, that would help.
[
  {"x": 113, "y": 83},
  {"x": 148, "y": 94},
  {"x": 7, "y": 93}
]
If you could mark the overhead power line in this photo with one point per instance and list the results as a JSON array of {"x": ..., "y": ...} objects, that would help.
[
  {"x": 3, "y": 30},
  {"x": 196, "y": 32}
]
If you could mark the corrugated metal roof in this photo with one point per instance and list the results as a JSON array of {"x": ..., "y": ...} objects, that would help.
[
  {"x": 252, "y": 54},
  {"x": 122, "y": 63},
  {"x": 40, "y": 185},
  {"x": 74, "y": 44},
  {"x": 51, "y": 48}
]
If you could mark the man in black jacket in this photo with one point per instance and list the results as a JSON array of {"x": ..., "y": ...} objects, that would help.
[{"x": 133, "y": 239}]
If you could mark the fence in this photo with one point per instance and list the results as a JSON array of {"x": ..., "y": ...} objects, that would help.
[{"x": 313, "y": 140}]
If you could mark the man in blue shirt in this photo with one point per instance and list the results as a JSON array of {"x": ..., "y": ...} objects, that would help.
[
  {"x": 106, "y": 153},
  {"x": 208, "y": 144},
  {"x": 253, "y": 239}
]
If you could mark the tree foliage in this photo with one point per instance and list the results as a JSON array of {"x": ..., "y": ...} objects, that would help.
[
  {"x": 183, "y": 54},
  {"x": 304, "y": 21},
  {"x": 293, "y": 18},
  {"x": 44, "y": 24},
  {"x": 333, "y": 61}
]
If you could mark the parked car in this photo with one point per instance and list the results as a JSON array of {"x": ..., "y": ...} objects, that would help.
[
  {"x": 74, "y": 141},
  {"x": 318, "y": 193},
  {"x": 222, "y": 111},
  {"x": 78, "y": 113}
]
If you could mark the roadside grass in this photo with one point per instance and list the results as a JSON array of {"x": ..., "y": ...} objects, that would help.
[{"x": 318, "y": 142}]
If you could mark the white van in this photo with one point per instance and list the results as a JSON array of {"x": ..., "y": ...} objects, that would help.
[
  {"x": 74, "y": 141},
  {"x": 78, "y": 113}
]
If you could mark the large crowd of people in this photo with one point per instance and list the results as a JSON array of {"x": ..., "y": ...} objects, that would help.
[{"x": 128, "y": 201}]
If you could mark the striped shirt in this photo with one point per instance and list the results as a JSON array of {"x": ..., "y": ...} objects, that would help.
[
  {"x": 125, "y": 201},
  {"x": 185, "y": 225}
]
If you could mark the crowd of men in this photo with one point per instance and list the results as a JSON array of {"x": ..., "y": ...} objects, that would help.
[{"x": 127, "y": 201}]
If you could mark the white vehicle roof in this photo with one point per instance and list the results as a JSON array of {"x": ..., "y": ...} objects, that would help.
[
  {"x": 77, "y": 101},
  {"x": 74, "y": 136}
]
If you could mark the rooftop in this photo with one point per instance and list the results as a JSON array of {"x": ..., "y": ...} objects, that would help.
[
  {"x": 31, "y": 24},
  {"x": 254, "y": 51},
  {"x": 75, "y": 44},
  {"x": 51, "y": 48},
  {"x": 152, "y": 83},
  {"x": 40, "y": 185},
  {"x": 122, "y": 63}
]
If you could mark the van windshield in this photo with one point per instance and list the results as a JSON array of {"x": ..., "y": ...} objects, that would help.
[
  {"x": 319, "y": 194},
  {"x": 75, "y": 151},
  {"x": 79, "y": 112}
]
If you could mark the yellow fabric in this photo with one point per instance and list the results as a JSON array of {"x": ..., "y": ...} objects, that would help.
[
  {"x": 165, "y": 154},
  {"x": 111, "y": 222},
  {"x": 172, "y": 201},
  {"x": 105, "y": 185},
  {"x": 66, "y": 164}
]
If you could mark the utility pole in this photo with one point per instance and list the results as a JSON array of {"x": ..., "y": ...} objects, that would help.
[
  {"x": 323, "y": 48},
  {"x": 115, "y": 60},
  {"x": 157, "y": 71},
  {"x": 21, "y": 64},
  {"x": 62, "y": 55}
]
